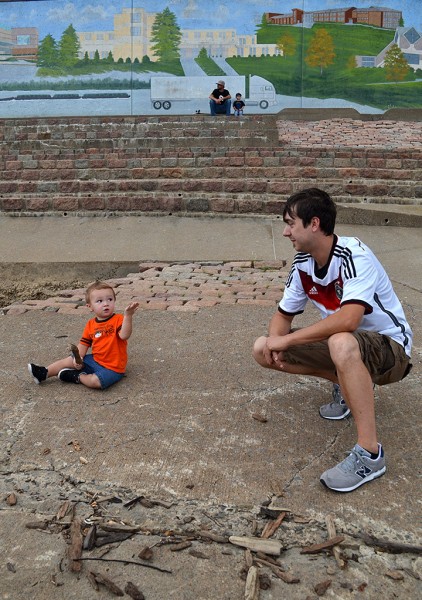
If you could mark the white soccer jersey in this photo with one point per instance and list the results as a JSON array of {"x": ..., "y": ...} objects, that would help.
[{"x": 353, "y": 276}]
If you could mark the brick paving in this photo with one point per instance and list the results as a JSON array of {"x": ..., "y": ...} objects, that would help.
[
  {"x": 351, "y": 133},
  {"x": 179, "y": 287}
]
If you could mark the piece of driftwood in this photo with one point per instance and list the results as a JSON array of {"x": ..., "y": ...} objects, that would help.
[
  {"x": 131, "y": 503},
  {"x": 394, "y": 574},
  {"x": 74, "y": 350},
  {"x": 252, "y": 584},
  {"x": 278, "y": 571},
  {"x": 93, "y": 582},
  {"x": 390, "y": 546},
  {"x": 146, "y": 553},
  {"x": 11, "y": 499},
  {"x": 118, "y": 527},
  {"x": 63, "y": 510},
  {"x": 259, "y": 417},
  {"x": 108, "y": 583},
  {"x": 272, "y": 547},
  {"x": 41, "y": 525},
  {"x": 180, "y": 546},
  {"x": 248, "y": 558},
  {"x": 269, "y": 559},
  {"x": 321, "y": 587},
  {"x": 198, "y": 554},
  {"x": 75, "y": 548},
  {"x": 271, "y": 527},
  {"x": 315, "y": 548},
  {"x": 214, "y": 537},
  {"x": 133, "y": 591},
  {"x": 331, "y": 528},
  {"x": 125, "y": 562}
]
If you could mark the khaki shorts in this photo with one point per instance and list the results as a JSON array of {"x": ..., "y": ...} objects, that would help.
[{"x": 384, "y": 358}]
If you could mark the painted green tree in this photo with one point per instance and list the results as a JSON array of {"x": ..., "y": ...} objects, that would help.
[
  {"x": 48, "y": 53},
  {"x": 69, "y": 47},
  {"x": 287, "y": 44},
  {"x": 395, "y": 64},
  {"x": 166, "y": 36},
  {"x": 320, "y": 50},
  {"x": 203, "y": 54}
]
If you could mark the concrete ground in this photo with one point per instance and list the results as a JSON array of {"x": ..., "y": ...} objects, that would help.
[{"x": 182, "y": 427}]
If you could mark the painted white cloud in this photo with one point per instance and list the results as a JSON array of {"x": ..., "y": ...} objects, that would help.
[{"x": 69, "y": 13}]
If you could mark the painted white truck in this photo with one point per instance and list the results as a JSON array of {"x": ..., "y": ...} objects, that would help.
[{"x": 255, "y": 90}]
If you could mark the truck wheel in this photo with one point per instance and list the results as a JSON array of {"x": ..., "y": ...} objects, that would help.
[
  {"x": 166, "y": 105},
  {"x": 157, "y": 104},
  {"x": 263, "y": 104}
]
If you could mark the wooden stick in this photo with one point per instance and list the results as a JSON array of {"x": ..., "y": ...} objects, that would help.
[
  {"x": 389, "y": 546},
  {"x": 278, "y": 572},
  {"x": 315, "y": 548},
  {"x": 257, "y": 544},
  {"x": 126, "y": 562},
  {"x": 272, "y": 526},
  {"x": 252, "y": 584},
  {"x": 75, "y": 548},
  {"x": 331, "y": 528}
]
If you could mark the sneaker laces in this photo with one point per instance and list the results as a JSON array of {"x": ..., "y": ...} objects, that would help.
[
  {"x": 353, "y": 460},
  {"x": 337, "y": 397}
]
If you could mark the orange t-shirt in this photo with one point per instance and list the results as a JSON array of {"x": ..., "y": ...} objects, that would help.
[{"x": 102, "y": 337}]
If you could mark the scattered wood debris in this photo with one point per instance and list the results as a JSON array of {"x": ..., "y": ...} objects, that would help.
[{"x": 105, "y": 526}]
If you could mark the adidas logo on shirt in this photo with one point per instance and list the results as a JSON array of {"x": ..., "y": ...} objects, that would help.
[{"x": 313, "y": 291}]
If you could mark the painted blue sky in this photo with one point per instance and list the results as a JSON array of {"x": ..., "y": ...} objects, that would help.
[{"x": 85, "y": 15}]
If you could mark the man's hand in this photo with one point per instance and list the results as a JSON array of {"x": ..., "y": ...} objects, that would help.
[
  {"x": 273, "y": 350},
  {"x": 131, "y": 308}
]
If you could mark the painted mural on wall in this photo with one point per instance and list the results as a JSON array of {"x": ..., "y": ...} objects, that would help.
[{"x": 86, "y": 57}]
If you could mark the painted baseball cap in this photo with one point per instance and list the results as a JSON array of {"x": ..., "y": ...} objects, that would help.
[{"x": 221, "y": 82}]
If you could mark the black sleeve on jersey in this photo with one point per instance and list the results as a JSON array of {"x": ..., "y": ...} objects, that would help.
[
  {"x": 284, "y": 312},
  {"x": 368, "y": 307}
]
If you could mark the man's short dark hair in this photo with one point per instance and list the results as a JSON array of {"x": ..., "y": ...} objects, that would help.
[{"x": 310, "y": 203}]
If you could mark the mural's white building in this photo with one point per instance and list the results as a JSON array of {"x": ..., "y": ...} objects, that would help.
[
  {"x": 132, "y": 32},
  {"x": 410, "y": 43}
]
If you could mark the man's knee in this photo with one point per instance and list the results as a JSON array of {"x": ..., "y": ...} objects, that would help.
[
  {"x": 258, "y": 350},
  {"x": 343, "y": 348}
]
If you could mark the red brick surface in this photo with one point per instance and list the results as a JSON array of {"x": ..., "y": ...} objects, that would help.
[
  {"x": 179, "y": 287},
  {"x": 196, "y": 164}
]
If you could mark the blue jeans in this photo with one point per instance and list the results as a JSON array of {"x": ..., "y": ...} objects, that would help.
[
  {"x": 220, "y": 109},
  {"x": 106, "y": 376}
]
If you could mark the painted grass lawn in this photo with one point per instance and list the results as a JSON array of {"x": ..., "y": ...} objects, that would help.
[{"x": 293, "y": 77}]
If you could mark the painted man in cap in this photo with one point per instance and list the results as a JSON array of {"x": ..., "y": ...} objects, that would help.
[{"x": 220, "y": 99}]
